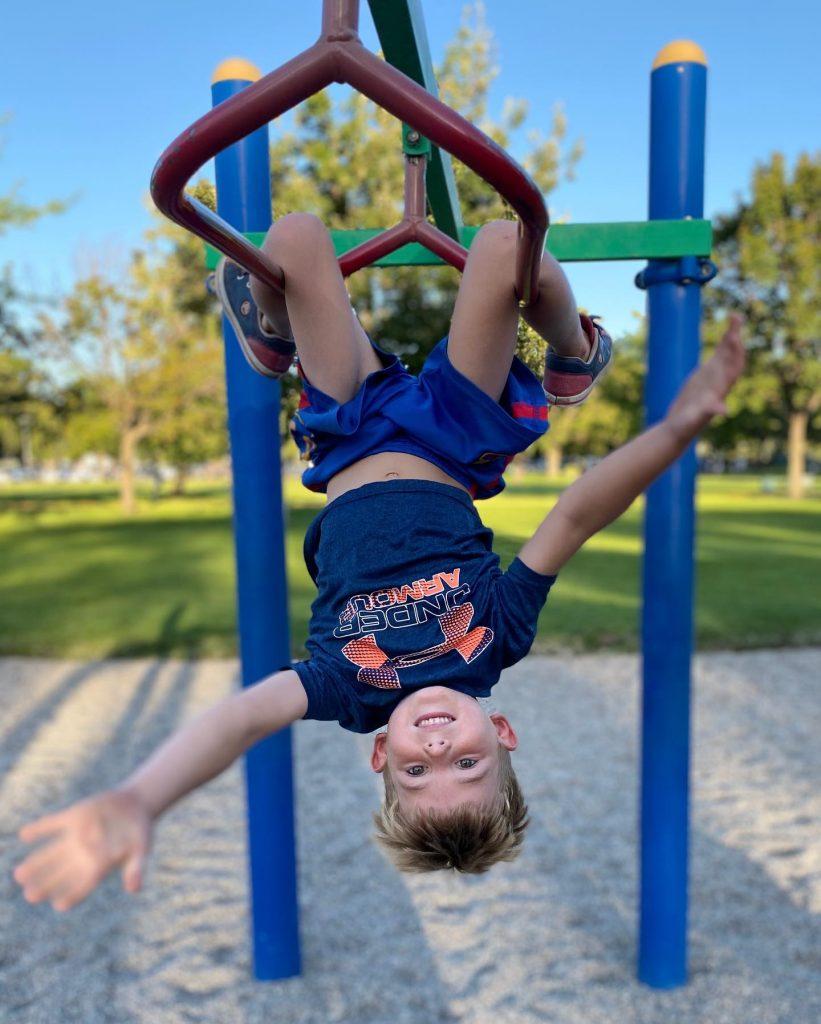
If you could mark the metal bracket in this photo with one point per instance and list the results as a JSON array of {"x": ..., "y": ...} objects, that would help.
[
  {"x": 685, "y": 270},
  {"x": 414, "y": 144}
]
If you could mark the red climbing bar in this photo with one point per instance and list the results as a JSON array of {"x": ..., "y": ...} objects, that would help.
[
  {"x": 225, "y": 124},
  {"x": 414, "y": 105},
  {"x": 338, "y": 56},
  {"x": 340, "y": 19},
  {"x": 412, "y": 228}
]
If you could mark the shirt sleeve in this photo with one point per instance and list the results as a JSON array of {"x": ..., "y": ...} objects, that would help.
[
  {"x": 326, "y": 702},
  {"x": 520, "y": 595}
]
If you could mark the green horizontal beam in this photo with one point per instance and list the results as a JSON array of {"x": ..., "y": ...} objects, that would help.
[
  {"x": 631, "y": 240},
  {"x": 570, "y": 243}
]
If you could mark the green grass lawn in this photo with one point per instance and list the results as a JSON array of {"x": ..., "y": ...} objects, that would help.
[{"x": 79, "y": 580}]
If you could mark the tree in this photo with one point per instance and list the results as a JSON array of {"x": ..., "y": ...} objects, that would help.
[
  {"x": 767, "y": 250},
  {"x": 27, "y": 415},
  {"x": 98, "y": 338},
  {"x": 146, "y": 349},
  {"x": 188, "y": 424},
  {"x": 16, "y": 212}
]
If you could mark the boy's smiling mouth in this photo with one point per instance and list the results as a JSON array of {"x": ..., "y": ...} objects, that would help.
[{"x": 434, "y": 721}]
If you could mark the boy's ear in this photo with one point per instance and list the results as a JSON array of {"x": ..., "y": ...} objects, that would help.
[
  {"x": 379, "y": 754},
  {"x": 504, "y": 730}
]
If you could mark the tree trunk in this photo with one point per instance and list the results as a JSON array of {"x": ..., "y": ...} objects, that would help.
[
  {"x": 128, "y": 468},
  {"x": 26, "y": 447},
  {"x": 554, "y": 460},
  {"x": 180, "y": 476},
  {"x": 797, "y": 453}
]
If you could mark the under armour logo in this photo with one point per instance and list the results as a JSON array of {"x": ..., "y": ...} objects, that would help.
[{"x": 381, "y": 670}]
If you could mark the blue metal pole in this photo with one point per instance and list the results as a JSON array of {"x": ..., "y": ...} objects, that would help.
[
  {"x": 244, "y": 200},
  {"x": 677, "y": 122}
]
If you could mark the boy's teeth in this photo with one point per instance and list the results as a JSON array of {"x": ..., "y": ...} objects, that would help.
[{"x": 437, "y": 720}]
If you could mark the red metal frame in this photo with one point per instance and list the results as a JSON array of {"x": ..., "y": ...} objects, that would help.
[
  {"x": 412, "y": 228},
  {"x": 339, "y": 56}
]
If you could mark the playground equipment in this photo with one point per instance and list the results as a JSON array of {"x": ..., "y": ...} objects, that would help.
[{"x": 675, "y": 240}]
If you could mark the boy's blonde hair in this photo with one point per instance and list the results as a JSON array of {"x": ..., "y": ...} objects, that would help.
[{"x": 468, "y": 838}]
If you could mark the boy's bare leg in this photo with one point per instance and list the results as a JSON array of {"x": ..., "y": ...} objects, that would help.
[
  {"x": 554, "y": 315},
  {"x": 333, "y": 349},
  {"x": 485, "y": 318}
]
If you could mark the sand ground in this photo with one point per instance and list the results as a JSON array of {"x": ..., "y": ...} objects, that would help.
[{"x": 550, "y": 938}]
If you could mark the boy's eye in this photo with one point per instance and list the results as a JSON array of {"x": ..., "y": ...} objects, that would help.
[
  {"x": 467, "y": 762},
  {"x": 416, "y": 769}
]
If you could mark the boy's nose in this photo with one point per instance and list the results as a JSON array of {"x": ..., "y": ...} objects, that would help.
[{"x": 437, "y": 745}]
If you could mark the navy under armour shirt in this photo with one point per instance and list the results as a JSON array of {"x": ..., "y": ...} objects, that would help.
[{"x": 410, "y": 594}]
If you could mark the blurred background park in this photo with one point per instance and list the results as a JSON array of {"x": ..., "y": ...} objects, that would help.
[{"x": 114, "y": 470}]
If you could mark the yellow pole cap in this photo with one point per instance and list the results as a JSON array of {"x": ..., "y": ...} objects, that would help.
[
  {"x": 236, "y": 68},
  {"x": 680, "y": 51}
]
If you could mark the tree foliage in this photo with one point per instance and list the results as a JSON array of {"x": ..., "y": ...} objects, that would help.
[
  {"x": 28, "y": 418},
  {"x": 145, "y": 345},
  {"x": 188, "y": 421},
  {"x": 769, "y": 255},
  {"x": 18, "y": 212}
]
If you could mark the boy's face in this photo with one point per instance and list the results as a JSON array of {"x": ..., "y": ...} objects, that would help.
[{"x": 442, "y": 750}]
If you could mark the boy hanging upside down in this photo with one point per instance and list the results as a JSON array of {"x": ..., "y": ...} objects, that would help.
[{"x": 414, "y": 618}]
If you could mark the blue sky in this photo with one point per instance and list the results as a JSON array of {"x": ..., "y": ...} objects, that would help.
[{"x": 96, "y": 90}]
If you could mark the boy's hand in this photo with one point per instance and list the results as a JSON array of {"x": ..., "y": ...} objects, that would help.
[
  {"x": 86, "y": 842},
  {"x": 703, "y": 394}
]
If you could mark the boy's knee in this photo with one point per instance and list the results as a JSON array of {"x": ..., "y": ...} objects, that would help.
[
  {"x": 497, "y": 239},
  {"x": 298, "y": 233}
]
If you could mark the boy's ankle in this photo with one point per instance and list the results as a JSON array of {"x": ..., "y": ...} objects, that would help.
[
  {"x": 590, "y": 336},
  {"x": 581, "y": 344},
  {"x": 271, "y": 329}
]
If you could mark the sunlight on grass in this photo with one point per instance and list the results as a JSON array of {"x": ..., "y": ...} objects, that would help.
[
  {"x": 78, "y": 579},
  {"x": 576, "y": 590}
]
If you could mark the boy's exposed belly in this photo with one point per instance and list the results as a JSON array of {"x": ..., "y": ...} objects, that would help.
[{"x": 387, "y": 466}]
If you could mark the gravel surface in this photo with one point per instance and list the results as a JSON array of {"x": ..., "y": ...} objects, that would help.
[{"x": 550, "y": 938}]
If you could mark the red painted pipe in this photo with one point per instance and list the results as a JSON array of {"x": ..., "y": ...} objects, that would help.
[
  {"x": 415, "y": 193},
  {"x": 304, "y": 75},
  {"x": 412, "y": 228},
  {"x": 441, "y": 244},
  {"x": 339, "y": 56},
  {"x": 340, "y": 19}
]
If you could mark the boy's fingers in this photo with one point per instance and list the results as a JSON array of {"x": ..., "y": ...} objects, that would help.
[
  {"x": 133, "y": 873},
  {"x": 71, "y": 897},
  {"x": 70, "y": 887},
  {"x": 49, "y": 885},
  {"x": 41, "y": 827},
  {"x": 38, "y": 864}
]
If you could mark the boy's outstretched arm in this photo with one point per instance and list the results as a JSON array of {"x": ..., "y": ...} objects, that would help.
[
  {"x": 603, "y": 493},
  {"x": 113, "y": 829}
]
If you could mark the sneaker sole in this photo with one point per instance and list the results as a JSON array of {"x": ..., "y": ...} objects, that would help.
[{"x": 581, "y": 396}]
